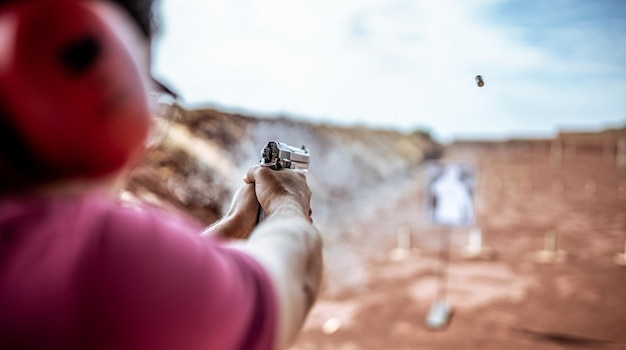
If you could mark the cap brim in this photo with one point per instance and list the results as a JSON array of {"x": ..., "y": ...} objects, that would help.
[{"x": 163, "y": 88}]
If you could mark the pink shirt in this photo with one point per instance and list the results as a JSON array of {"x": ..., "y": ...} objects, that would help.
[{"x": 85, "y": 273}]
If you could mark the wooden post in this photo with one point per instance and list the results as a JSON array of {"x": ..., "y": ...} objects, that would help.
[
  {"x": 404, "y": 238},
  {"x": 475, "y": 240},
  {"x": 551, "y": 241},
  {"x": 403, "y": 247},
  {"x": 475, "y": 248},
  {"x": 591, "y": 187},
  {"x": 620, "y": 258},
  {"x": 621, "y": 155},
  {"x": 556, "y": 154},
  {"x": 621, "y": 189},
  {"x": 551, "y": 252},
  {"x": 607, "y": 149}
]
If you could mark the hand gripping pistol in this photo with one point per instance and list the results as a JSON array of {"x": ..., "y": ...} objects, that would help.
[{"x": 277, "y": 155}]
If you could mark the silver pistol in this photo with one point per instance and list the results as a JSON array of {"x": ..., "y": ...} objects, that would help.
[{"x": 278, "y": 155}]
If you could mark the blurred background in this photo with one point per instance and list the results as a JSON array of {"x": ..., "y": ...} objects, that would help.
[
  {"x": 378, "y": 90},
  {"x": 403, "y": 64}
]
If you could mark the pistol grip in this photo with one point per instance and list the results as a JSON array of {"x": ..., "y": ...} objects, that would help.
[{"x": 260, "y": 216}]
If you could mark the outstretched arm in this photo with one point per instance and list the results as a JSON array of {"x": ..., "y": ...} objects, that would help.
[{"x": 286, "y": 243}]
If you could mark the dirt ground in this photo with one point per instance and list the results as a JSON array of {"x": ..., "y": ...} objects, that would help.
[{"x": 375, "y": 300}]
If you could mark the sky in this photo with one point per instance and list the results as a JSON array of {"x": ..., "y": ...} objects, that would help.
[{"x": 548, "y": 65}]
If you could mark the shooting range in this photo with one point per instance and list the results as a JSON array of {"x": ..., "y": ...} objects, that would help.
[
  {"x": 528, "y": 103},
  {"x": 540, "y": 257}
]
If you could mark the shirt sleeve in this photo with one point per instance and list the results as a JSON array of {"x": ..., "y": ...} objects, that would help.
[{"x": 156, "y": 284}]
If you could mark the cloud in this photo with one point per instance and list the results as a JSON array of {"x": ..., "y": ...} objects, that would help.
[{"x": 399, "y": 63}]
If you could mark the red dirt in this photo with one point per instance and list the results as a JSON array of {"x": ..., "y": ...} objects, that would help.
[{"x": 508, "y": 302}]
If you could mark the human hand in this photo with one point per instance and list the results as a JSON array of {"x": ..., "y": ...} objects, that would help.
[
  {"x": 281, "y": 192},
  {"x": 241, "y": 218}
]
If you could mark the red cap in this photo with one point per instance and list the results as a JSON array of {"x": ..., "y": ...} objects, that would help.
[{"x": 73, "y": 85}]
